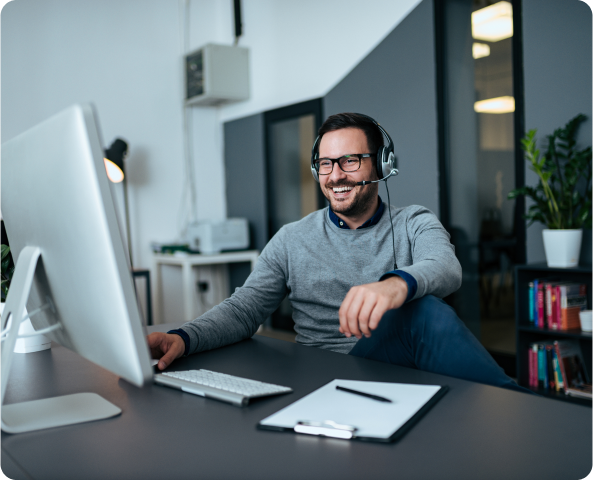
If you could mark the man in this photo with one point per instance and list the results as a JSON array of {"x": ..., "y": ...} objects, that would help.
[{"x": 337, "y": 267}]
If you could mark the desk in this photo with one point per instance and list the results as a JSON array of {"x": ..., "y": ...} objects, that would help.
[
  {"x": 187, "y": 262},
  {"x": 473, "y": 432}
]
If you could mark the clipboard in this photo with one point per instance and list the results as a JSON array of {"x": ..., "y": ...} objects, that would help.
[{"x": 336, "y": 413}]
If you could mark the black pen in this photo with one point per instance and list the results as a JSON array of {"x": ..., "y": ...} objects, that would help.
[{"x": 369, "y": 395}]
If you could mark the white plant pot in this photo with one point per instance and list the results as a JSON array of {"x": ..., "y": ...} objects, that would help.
[
  {"x": 29, "y": 344},
  {"x": 563, "y": 247}
]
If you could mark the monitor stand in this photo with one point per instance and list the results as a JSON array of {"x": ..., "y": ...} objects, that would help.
[{"x": 48, "y": 412}]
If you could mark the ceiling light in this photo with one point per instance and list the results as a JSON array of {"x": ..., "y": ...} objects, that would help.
[
  {"x": 495, "y": 105},
  {"x": 493, "y": 23},
  {"x": 480, "y": 50}
]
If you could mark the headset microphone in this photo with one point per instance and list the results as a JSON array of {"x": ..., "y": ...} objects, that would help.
[{"x": 393, "y": 172}]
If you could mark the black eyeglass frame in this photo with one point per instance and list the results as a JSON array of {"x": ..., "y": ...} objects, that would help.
[{"x": 359, "y": 156}]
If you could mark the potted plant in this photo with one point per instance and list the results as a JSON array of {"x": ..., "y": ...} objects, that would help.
[
  {"x": 7, "y": 271},
  {"x": 562, "y": 197},
  {"x": 23, "y": 345}
]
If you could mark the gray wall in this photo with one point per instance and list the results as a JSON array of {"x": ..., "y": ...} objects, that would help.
[
  {"x": 395, "y": 84},
  {"x": 245, "y": 175},
  {"x": 557, "y": 78}
]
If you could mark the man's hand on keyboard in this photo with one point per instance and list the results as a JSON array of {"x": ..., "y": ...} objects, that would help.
[{"x": 166, "y": 346}]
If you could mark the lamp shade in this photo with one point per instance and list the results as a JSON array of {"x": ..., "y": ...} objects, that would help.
[{"x": 114, "y": 160}]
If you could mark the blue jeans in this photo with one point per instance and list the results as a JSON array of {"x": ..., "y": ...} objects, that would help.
[{"x": 426, "y": 334}]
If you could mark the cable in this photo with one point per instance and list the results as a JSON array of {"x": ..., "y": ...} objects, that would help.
[
  {"x": 187, "y": 210},
  {"x": 4, "y": 333},
  {"x": 391, "y": 223}
]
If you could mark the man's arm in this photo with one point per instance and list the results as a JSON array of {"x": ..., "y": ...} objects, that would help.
[
  {"x": 435, "y": 269},
  {"x": 236, "y": 318}
]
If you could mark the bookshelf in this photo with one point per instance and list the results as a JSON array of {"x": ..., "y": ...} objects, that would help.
[{"x": 527, "y": 333}]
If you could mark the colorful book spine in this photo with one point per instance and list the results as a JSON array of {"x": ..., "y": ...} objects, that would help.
[
  {"x": 540, "y": 305},
  {"x": 556, "y": 307},
  {"x": 551, "y": 384},
  {"x": 548, "y": 304},
  {"x": 532, "y": 360},
  {"x": 531, "y": 302},
  {"x": 573, "y": 299},
  {"x": 535, "y": 319},
  {"x": 557, "y": 371},
  {"x": 541, "y": 366}
]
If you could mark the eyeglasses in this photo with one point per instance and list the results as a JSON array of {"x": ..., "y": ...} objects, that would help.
[{"x": 348, "y": 163}]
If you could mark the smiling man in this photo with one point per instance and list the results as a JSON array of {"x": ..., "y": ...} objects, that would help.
[{"x": 364, "y": 278}]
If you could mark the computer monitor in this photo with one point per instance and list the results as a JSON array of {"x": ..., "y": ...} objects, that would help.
[{"x": 71, "y": 268}]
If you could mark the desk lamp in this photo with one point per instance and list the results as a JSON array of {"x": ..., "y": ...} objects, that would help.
[{"x": 115, "y": 165}]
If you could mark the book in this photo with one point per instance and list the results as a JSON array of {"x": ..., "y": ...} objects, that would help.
[
  {"x": 540, "y": 305},
  {"x": 573, "y": 299},
  {"x": 533, "y": 365},
  {"x": 541, "y": 366},
  {"x": 531, "y": 303},
  {"x": 557, "y": 372},
  {"x": 556, "y": 306},
  {"x": 575, "y": 379},
  {"x": 551, "y": 384},
  {"x": 551, "y": 297},
  {"x": 534, "y": 300},
  {"x": 548, "y": 304}
]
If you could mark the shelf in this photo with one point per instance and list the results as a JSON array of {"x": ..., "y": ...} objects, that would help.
[
  {"x": 560, "y": 396},
  {"x": 543, "y": 267},
  {"x": 527, "y": 333},
  {"x": 579, "y": 334}
]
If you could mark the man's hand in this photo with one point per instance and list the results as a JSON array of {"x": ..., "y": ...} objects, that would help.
[
  {"x": 166, "y": 346},
  {"x": 364, "y": 306}
]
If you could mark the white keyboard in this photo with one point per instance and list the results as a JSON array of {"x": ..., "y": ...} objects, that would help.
[{"x": 228, "y": 388}]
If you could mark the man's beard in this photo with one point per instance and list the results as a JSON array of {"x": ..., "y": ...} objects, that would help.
[{"x": 364, "y": 199}]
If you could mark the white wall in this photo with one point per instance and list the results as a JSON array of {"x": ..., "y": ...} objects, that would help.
[{"x": 125, "y": 56}]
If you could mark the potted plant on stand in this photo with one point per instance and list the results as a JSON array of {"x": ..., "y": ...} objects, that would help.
[
  {"x": 562, "y": 197},
  {"x": 35, "y": 343}
]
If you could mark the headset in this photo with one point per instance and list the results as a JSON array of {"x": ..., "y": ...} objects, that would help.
[
  {"x": 386, "y": 159},
  {"x": 386, "y": 163}
]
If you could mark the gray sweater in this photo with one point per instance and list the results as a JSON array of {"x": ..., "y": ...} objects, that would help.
[{"x": 315, "y": 263}]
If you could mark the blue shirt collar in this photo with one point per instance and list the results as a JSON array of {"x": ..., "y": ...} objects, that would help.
[{"x": 338, "y": 222}]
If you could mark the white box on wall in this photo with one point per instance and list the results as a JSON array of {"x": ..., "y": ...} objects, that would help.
[{"x": 216, "y": 74}]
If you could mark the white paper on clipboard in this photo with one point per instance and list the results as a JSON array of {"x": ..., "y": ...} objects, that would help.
[{"x": 370, "y": 418}]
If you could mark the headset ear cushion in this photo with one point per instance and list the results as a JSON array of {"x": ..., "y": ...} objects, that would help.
[
  {"x": 314, "y": 172},
  {"x": 380, "y": 154}
]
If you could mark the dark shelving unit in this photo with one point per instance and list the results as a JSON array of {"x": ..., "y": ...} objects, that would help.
[{"x": 528, "y": 333}]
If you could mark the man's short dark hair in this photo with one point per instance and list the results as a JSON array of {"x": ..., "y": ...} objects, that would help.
[{"x": 354, "y": 120}]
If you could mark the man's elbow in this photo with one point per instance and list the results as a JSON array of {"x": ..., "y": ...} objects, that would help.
[{"x": 456, "y": 278}]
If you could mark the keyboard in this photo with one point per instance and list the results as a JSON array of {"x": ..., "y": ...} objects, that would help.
[{"x": 228, "y": 388}]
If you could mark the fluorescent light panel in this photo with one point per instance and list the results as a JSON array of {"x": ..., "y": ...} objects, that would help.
[
  {"x": 495, "y": 105},
  {"x": 480, "y": 50},
  {"x": 493, "y": 23}
]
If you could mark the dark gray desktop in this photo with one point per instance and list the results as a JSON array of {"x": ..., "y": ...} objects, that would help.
[{"x": 474, "y": 431}]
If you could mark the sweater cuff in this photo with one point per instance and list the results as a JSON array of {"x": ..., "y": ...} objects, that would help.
[
  {"x": 409, "y": 279},
  {"x": 185, "y": 338}
]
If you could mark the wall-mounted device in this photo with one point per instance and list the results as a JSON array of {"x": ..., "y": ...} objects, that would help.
[
  {"x": 213, "y": 237},
  {"x": 216, "y": 74}
]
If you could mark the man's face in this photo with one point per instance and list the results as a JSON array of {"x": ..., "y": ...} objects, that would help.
[{"x": 345, "y": 197}]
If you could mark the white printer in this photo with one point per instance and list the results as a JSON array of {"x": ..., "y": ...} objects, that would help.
[{"x": 215, "y": 236}]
